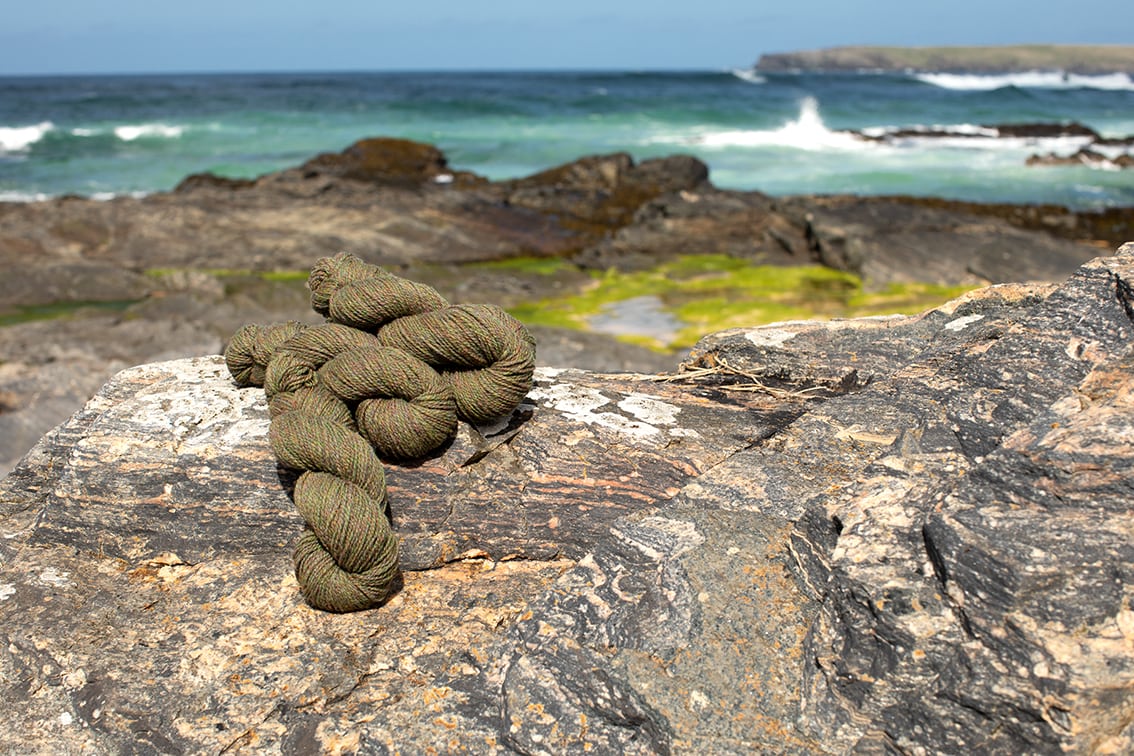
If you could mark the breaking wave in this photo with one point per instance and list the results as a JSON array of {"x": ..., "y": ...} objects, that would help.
[
  {"x": 1028, "y": 80},
  {"x": 806, "y": 132},
  {"x": 21, "y": 138},
  {"x": 748, "y": 75},
  {"x": 148, "y": 130}
]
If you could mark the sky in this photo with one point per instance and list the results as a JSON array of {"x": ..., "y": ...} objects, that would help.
[{"x": 138, "y": 36}]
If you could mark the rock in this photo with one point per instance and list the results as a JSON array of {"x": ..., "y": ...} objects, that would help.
[
  {"x": 885, "y": 535},
  {"x": 745, "y": 225},
  {"x": 603, "y": 192},
  {"x": 1085, "y": 156},
  {"x": 199, "y": 181},
  {"x": 1036, "y": 130},
  {"x": 195, "y": 264},
  {"x": 893, "y": 240},
  {"x": 398, "y": 162}
]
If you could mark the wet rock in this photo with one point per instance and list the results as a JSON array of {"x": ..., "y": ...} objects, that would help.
[
  {"x": 1036, "y": 130},
  {"x": 1091, "y": 144},
  {"x": 886, "y": 535},
  {"x": 1085, "y": 156}
]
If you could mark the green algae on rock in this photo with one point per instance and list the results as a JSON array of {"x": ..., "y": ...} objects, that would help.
[{"x": 713, "y": 292}]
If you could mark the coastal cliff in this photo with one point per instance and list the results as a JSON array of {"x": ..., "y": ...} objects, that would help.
[{"x": 1072, "y": 59}]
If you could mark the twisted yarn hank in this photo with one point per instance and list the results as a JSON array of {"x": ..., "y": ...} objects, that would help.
[{"x": 388, "y": 375}]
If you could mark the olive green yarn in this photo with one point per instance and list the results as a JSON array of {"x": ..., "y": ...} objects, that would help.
[
  {"x": 349, "y": 291},
  {"x": 486, "y": 355},
  {"x": 251, "y": 348},
  {"x": 389, "y": 375}
]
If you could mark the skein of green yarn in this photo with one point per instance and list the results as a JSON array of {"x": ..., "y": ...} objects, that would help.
[
  {"x": 347, "y": 560},
  {"x": 375, "y": 297},
  {"x": 366, "y": 382},
  {"x": 487, "y": 355},
  {"x": 405, "y": 409}
]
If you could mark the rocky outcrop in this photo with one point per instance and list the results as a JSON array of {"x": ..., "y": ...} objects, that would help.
[
  {"x": 1095, "y": 150},
  {"x": 135, "y": 280},
  {"x": 1036, "y": 130},
  {"x": 397, "y": 162},
  {"x": 602, "y": 193},
  {"x": 1077, "y": 59},
  {"x": 885, "y": 239},
  {"x": 1085, "y": 156},
  {"x": 894, "y": 534}
]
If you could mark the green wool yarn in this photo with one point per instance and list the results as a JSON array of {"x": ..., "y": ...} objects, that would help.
[
  {"x": 389, "y": 375},
  {"x": 486, "y": 355}
]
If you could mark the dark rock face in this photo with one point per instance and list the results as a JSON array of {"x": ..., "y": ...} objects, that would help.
[
  {"x": 398, "y": 162},
  {"x": 603, "y": 192},
  {"x": 905, "y": 534}
]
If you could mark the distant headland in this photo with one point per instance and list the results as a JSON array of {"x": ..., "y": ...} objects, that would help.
[{"x": 1076, "y": 59}]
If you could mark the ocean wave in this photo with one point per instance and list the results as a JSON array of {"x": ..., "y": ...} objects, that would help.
[
  {"x": 148, "y": 130},
  {"x": 21, "y": 138},
  {"x": 936, "y": 130},
  {"x": 11, "y": 195},
  {"x": 979, "y": 137},
  {"x": 749, "y": 75},
  {"x": 806, "y": 132},
  {"x": 14, "y": 196},
  {"x": 1027, "y": 80}
]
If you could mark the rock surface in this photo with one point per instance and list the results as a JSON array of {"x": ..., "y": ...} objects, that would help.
[{"x": 905, "y": 534}]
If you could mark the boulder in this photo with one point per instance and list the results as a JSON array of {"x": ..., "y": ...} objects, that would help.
[
  {"x": 384, "y": 160},
  {"x": 601, "y": 193},
  {"x": 904, "y": 534}
]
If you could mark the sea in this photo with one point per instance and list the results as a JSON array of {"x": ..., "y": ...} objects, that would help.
[{"x": 104, "y": 136}]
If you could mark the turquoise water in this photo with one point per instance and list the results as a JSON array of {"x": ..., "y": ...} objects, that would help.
[{"x": 783, "y": 134}]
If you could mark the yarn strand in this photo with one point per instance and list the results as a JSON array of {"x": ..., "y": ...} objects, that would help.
[{"x": 388, "y": 375}]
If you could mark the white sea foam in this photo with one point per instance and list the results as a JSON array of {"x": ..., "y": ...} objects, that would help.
[
  {"x": 959, "y": 129},
  {"x": 749, "y": 75},
  {"x": 807, "y": 132},
  {"x": 1028, "y": 80},
  {"x": 971, "y": 136},
  {"x": 9, "y": 196},
  {"x": 21, "y": 138},
  {"x": 145, "y": 130}
]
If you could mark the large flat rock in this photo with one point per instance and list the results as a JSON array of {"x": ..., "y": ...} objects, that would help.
[{"x": 883, "y": 535}]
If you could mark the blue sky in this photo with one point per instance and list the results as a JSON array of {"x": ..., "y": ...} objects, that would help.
[{"x": 80, "y": 36}]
